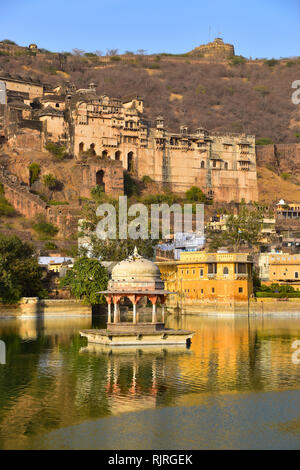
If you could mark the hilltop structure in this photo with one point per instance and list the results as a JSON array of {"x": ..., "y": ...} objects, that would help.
[
  {"x": 117, "y": 133},
  {"x": 216, "y": 49}
]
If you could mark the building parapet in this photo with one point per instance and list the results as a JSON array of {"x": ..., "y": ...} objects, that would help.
[{"x": 201, "y": 257}]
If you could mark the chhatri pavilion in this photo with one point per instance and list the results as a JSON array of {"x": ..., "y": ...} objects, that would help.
[{"x": 136, "y": 278}]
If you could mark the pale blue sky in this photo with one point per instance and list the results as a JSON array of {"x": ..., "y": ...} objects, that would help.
[{"x": 257, "y": 28}]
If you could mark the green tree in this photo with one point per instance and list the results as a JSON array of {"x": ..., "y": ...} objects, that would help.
[
  {"x": 20, "y": 273},
  {"x": 195, "y": 194},
  {"x": 58, "y": 151},
  {"x": 49, "y": 181},
  {"x": 34, "y": 171},
  {"x": 244, "y": 228},
  {"x": 117, "y": 250},
  {"x": 87, "y": 278}
]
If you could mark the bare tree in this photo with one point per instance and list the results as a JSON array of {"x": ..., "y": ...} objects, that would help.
[
  {"x": 111, "y": 52},
  {"x": 78, "y": 52}
]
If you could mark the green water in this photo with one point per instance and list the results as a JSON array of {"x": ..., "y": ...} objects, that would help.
[{"x": 235, "y": 387}]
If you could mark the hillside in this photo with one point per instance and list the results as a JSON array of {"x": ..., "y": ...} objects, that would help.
[
  {"x": 252, "y": 97},
  {"x": 233, "y": 95}
]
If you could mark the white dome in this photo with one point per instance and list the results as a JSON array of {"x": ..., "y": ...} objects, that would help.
[{"x": 136, "y": 271}]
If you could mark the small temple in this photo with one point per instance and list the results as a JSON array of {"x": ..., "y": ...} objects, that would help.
[{"x": 135, "y": 278}]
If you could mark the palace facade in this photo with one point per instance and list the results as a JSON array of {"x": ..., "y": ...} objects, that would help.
[{"x": 223, "y": 165}]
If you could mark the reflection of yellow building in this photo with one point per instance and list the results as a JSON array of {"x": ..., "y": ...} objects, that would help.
[
  {"x": 284, "y": 268},
  {"x": 200, "y": 276}
]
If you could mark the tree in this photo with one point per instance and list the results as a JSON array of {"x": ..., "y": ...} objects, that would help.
[
  {"x": 49, "y": 181},
  {"x": 112, "y": 52},
  {"x": 244, "y": 228},
  {"x": 34, "y": 171},
  {"x": 117, "y": 250},
  {"x": 87, "y": 278},
  {"x": 195, "y": 194},
  {"x": 58, "y": 151},
  {"x": 20, "y": 273}
]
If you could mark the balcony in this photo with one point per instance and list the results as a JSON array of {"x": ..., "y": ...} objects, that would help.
[
  {"x": 240, "y": 276},
  {"x": 212, "y": 275}
]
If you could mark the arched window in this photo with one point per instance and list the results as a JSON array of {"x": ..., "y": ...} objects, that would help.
[
  {"x": 92, "y": 149},
  {"x": 226, "y": 166},
  {"x": 100, "y": 179},
  {"x": 130, "y": 162},
  {"x": 118, "y": 155},
  {"x": 81, "y": 147},
  {"x": 202, "y": 164},
  {"x": 225, "y": 271},
  {"x": 104, "y": 154}
]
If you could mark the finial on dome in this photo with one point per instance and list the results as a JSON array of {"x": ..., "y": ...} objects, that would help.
[{"x": 136, "y": 253}]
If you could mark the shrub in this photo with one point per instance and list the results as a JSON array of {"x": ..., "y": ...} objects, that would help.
[
  {"x": 97, "y": 192},
  {"x": 195, "y": 194},
  {"x": 45, "y": 229},
  {"x": 8, "y": 41},
  {"x": 57, "y": 151},
  {"x": 49, "y": 181},
  {"x": 153, "y": 66},
  {"x": 58, "y": 203},
  {"x": 237, "y": 60},
  {"x": 261, "y": 89},
  {"x": 5, "y": 208},
  {"x": 34, "y": 171},
  {"x": 285, "y": 176},
  {"x": 50, "y": 246},
  {"x": 271, "y": 62},
  {"x": 264, "y": 141},
  {"x": 115, "y": 58},
  {"x": 131, "y": 187},
  {"x": 147, "y": 179}
]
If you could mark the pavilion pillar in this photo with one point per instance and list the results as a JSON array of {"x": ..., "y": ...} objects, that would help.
[
  {"x": 134, "y": 313},
  {"x": 154, "y": 315},
  {"x": 109, "y": 312},
  {"x": 163, "y": 314},
  {"x": 116, "y": 312}
]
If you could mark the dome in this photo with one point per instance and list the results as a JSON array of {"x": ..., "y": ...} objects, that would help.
[{"x": 136, "y": 272}]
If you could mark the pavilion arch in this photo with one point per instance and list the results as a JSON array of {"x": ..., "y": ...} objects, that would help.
[
  {"x": 100, "y": 179},
  {"x": 130, "y": 162}
]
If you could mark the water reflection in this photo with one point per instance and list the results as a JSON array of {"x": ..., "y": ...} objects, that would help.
[{"x": 52, "y": 379}]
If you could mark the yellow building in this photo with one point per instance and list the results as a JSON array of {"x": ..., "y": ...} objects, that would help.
[
  {"x": 284, "y": 268},
  {"x": 199, "y": 277}
]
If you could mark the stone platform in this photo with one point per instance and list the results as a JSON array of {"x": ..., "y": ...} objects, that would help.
[{"x": 121, "y": 334}]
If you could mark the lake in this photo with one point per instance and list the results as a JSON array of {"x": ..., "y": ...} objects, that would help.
[{"x": 236, "y": 387}]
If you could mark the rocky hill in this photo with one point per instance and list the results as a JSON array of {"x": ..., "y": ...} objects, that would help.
[{"x": 234, "y": 95}]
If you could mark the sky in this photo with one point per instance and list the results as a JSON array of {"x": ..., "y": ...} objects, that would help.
[{"x": 257, "y": 28}]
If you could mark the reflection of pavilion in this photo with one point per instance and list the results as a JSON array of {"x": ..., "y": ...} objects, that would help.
[
  {"x": 136, "y": 278},
  {"x": 135, "y": 375}
]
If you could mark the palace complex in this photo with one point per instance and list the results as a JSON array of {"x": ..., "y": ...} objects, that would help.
[{"x": 120, "y": 137}]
